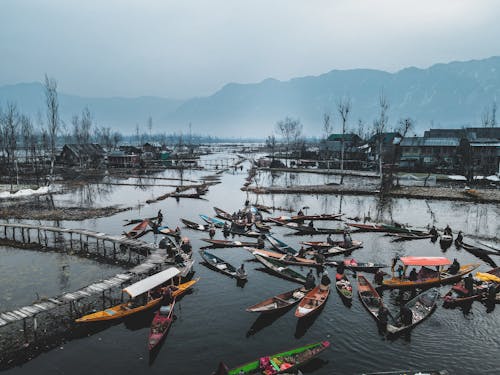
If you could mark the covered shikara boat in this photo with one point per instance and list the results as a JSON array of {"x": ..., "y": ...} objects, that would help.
[
  {"x": 427, "y": 277},
  {"x": 192, "y": 225},
  {"x": 280, "y": 245},
  {"x": 421, "y": 307},
  {"x": 312, "y": 301},
  {"x": 285, "y": 362},
  {"x": 212, "y": 220},
  {"x": 458, "y": 294},
  {"x": 279, "y": 302},
  {"x": 284, "y": 258},
  {"x": 139, "y": 288},
  {"x": 139, "y": 230},
  {"x": 277, "y": 268},
  {"x": 161, "y": 323},
  {"x": 229, "y": 243},
  {"x": 369, "y": 296},
  {"x": 220, "y": 265}
]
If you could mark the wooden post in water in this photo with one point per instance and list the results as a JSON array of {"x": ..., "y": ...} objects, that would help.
[
  {"x": 13, "y": 233},
  {"x": 39, "y": 239},
  {"x": 81, "y": 243},
  {"x": 29, "y": 236},
  {"x": 114, "y": 250},
  {"x": 71, "y": 240},
  {"x": 22, "y": 235}
]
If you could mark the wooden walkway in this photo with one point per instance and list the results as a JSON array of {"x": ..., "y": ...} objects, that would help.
[{"x": 154, "y": 260}]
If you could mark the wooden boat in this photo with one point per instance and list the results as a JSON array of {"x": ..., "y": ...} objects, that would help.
[
  {"x": 280, "y": 245},
  {"x": 278, "y": 269},
  {"x": 229, "y": 243},
  {"x": 285, "y": 362},
  {"x": 312, "y": 301},
  {"x": 368, "y": 227},
  {"x": 279, "y": 302},
  {"x": 160, "y": 325},
  {"x": 476, "y": 250},
  {"x": 446, "y": 239},
  {"x": 223, "y": 214},
  {"x": 139, "y": 230},
  {"x": 410, "y": 236},
  {"x": 219, "y": 264},
  {"x": 284, "y": 258},
  {"x": 369, "y": 296},
  {"x": 305, "y": 229},
  {"x": 128, "y": 308},
  {"x": 195, "y": 226},
  {"x": 262, "y": 227},
  {"x": 321, "y": 244},
  {"x": 354, "y": 265},
  {"x": 263, "y": 208},
  {"x": 302, "y": 218},
  {"x": 428, "y": 277},
  {"x": 458, "y": 294},
  {"x": 137, "y": 221},
  {"x": 344, "y": 287},
  {"x": 401, "y": 229},
  {"x": 337, "y": 250},
  {"x": 421, "y": 307},
  {"x": 212, "y": 220},
  {"x": 186, "y": 195},
  {"x": 169, "y": 231}
]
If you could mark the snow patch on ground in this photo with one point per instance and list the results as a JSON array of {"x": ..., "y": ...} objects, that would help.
[{"x": 26, "y": 192}]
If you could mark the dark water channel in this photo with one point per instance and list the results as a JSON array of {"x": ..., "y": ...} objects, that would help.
[{"x": 212, "y": 324}]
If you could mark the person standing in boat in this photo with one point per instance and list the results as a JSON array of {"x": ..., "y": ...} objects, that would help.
[
  {"x": 469, "y": 284},
  {"x": 459, "y": 238},
  {"x": 159, "y": 218},
  {"x": 310, "y": 280},
  {"x": 433, "y": 231},
  {"x": 311, "y": 224},
  {"x": 211, "y": 231},
  {"x": 455, "y": 267},
  {"x": 413, "y": 276},
  {"x": 447, "y": 230},
  {"x": 347, "y": 240},
  {"x": 300, "y": 213},
  {"x": 340, "y": 270}
]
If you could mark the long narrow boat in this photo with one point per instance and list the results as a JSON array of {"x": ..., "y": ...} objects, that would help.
[
  {"x": 262, "y": 227},
  {"x": 279, "y": 302},
  {"x": 139, "y": 230},
  {"x": 195, "y": 226},
  {"x": 428, "y": 277},
  {"x": 421, "y": 307},
  {"x": 476, "y": 250},
  {"x": 313, "y": 301},
  {"x": 354, "y": 265},
  {"x": 219, "y": 264},
  {"x": 212, "y": 220},
  {"x": 285, "y": 362},
  {"x": 137, "y": 221},
  {"x": 409, "y": 236},
  {"x": 160, "y": 325},
  {"x": 169, "y": 231},
  {"x": 229, "y": 243},
  {"x": 459, "y": 294},
  {"x": 401, "y": 229},
  {"x": 369, "y": 296},
  {"x": 368, "y": 227},
  {"x": 278, "y": 269},
  {"x": 321, "y": 244},
  {"x": 280, "y": 245},
  {"x": 302, "y": 218},
  {"x": 344, "y": 287},
  {"x": 409, "y": 372},
  {"x": 128, "y": 308},
  {"x": 223, "y": 214},
  {"x": 284, "y": 258},
  {"x": 337, "y": 250},
  {"x": 306, "y": 229}
]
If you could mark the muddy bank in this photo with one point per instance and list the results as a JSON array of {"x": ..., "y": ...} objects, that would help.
[
  {"x": 28, "y": 212},
  {"x": 442, "y": 193}
]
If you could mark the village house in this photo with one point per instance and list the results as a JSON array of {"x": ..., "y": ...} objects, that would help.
[
  {"x": 87, "y": 155},
  {"x": 120, "y": 159},
  {"x": 331, "y": 148}
]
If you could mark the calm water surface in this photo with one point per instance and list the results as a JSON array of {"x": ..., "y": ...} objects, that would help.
[{"x": 212, "y": 324}]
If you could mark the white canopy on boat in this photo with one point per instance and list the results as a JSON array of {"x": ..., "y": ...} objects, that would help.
[{"x": 151, "y": 282}]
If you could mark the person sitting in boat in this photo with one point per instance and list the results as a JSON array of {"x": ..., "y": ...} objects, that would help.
[
  {"x": 379, "y": 277},
  {"x": 325, "y": 281},
  {"x": 260, "y": 242},
  {"x": 347, "y": 240},
  {"x": 406, "y": 315},
  {"x": 459, "y": 238},
  {"x": 340, "y": 271},
  {"x": 211, "y": 231},
  {"x": 310, "y": 281},
  {"x": 383, "y": 315},
  {"x": 300, "y": 213},
  {"x": 167, "y": 296},
  {"x": 447, "y": 230},
  {"x": 401, "y": 272},
  {"x": 302, "y": 252},
  {"x": 319, "y": 258},
  {"x": 469, "y": 284},
  {"x": 329, "y": 240},
  {"x": 413, "y": 276},
  {"x": 177, "y": 190},
  {"x": 454, "y": 268},
  {"x": 433, "y": 231},
  {"x": 178, "y": 259},
  {"x": 311, "y": 224},
  {"x": 186, "y": 245}
]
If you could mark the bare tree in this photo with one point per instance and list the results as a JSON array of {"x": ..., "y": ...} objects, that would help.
[
  {"x": 137, "y": 135},
  {"x": 150, "y": 126},
  {"x": 117, "y": 138},
  {"x": 380, "y": 125},
  {"x": 485, "y": 117},
  {"x": 327, "y": 128},
  {"x": 271, "y": 145},
  {"x": 493, "y": 120},
  {"x": 85, "y": 126},
  {"x": 290, "y": 130},
  {"x": 53, "y": 121},
  {"x": 404, "y": 126},
  {"x": 10, "y": 121},
  {"x": 27, "y": 133},
  {"x": 343, "y": 108}
]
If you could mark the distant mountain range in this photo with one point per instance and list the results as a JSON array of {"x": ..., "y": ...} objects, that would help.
[{"x": 444, "y": 95}]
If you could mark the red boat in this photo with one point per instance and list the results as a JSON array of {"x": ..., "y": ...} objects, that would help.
[
  {"x": 160, "y": 325},
  {"x": 139, "y": 230}
]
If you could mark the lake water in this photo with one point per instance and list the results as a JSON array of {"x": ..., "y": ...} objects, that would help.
[{"x": 212, "y": 324}]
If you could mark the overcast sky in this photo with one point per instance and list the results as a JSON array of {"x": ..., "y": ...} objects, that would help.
[{"x": 187, "y": 48}]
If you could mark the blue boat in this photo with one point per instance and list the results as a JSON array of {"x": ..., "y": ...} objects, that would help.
[{"x": 212, "y": 220}]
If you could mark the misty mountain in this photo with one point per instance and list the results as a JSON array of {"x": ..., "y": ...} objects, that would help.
[{"x": 444, "y": 95}]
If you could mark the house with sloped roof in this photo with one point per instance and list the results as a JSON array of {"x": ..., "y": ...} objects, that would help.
[
  {"x": 424, "y": 153},
  {"x": 86, "y": 155}
]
